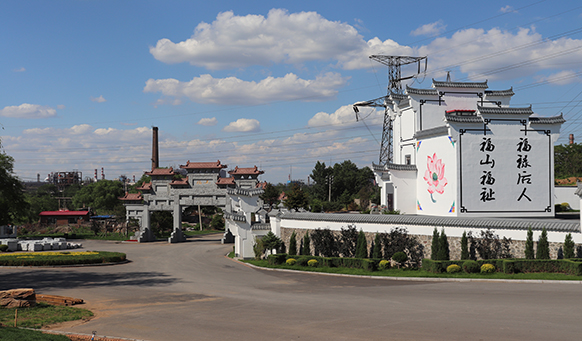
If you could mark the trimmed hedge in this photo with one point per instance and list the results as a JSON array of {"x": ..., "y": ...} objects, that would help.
[
  {"x": 511, "y": 266},
  {"x": 331, "y": 262},
  {"x": 60, "y": 258}
]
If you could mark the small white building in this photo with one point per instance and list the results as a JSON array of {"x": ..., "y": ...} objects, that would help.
[{"x": 461, "y": 150}]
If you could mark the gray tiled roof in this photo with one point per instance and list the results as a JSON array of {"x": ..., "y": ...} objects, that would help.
[
  {"x": 423, "y": 92},
  {"x": 244, "y": 191},
  {"x": 466, "y": 85},
  {"x": 547, "y": 120},
  {"x": 235, "y": 216},
  {"x": 438, "y": 131},
  {"x": 398, "y": 96},
  {"x": 261, "y": 226},
  {"x": 478, "y": 223},
  {"x": 504, "y": 111},
  {"x": 463, "y": 119},
  {"x": 397, "y": 167},
  {"x": 502, "y": 93}
]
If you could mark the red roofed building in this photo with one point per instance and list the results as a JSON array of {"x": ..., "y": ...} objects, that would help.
[
  {"x": 246, "y": 177},
  {"x": 64, "y": 217}
]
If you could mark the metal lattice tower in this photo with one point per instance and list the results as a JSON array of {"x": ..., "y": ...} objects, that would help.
[{"x": 394, "y": 87}]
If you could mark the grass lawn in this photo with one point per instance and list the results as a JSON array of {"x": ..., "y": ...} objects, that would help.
[
  {"x": 42, "y": 315},
  {"x": 16, "y": 334},
  {"x": 418, "y": 273}
]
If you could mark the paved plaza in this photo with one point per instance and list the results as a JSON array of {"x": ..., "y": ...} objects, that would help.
[{"x": 190, "y": 291}]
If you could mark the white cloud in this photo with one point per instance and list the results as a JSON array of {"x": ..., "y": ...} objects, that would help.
[
  {"x": 231, "y": 90},
  {"x": 346, "y": 115},
  {"x": 233, "y": 41},
  {"x": 99, "y": 99},
  {"x": 561, "y": 78},
  {"x": 61, "y": 106},
  {"x": 431, "y": 30},
  {"x": 207, "y": 121},
  {"x": 506, "y": 9},
  {"x": 19, "y": 70},
  {"x": 243, "y": 125},
  {"x": 26, "y": 110}
]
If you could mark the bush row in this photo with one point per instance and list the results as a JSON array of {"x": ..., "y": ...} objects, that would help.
[
  {"x": 17, "y": 259},
  {"x": 511, "y": 266},
  {"x": 332, "y": 262}
]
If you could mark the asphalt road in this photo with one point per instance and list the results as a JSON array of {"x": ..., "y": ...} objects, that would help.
[{"x": 190, "y": 291}]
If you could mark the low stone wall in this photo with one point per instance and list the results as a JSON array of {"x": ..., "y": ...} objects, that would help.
[{"x": 517, "y": 246}]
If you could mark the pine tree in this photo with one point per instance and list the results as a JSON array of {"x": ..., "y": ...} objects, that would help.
[
  {"x": 292, "y": 245},
  {"x": 543, "y": 251},
  {"x": 306, "y": 250},
  {"x": 435, "y": 245},
  {"x": 464, "y": 247},
  {"x": 529, "y": 245},
  {"x": 568, "y": 246},
  {"x": 443, "y": 252},
  {"x": 377, "y": 249},
  {"x": 361, "y": 246}
]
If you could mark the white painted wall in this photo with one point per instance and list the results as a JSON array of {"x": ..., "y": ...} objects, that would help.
[{"x": 566, "y": 194}]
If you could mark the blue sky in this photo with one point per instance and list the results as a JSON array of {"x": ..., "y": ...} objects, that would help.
[{"x": 266, "y": 83}]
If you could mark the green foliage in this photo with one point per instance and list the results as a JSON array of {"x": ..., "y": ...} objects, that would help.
[
  {"x": 101, "y": 196},
  {"x": 296, "y": 199},
  {"x": 18, "y": 334},
  {"x": 377, "y": 249},
  {"x": 291, "y": 261},
  {"x": 324, "y": 243},
  {"x": 271, "y": 241},
  {"x": 258, "y": 248},
  {"x": 568, "y": 160},
  {"x": 270, "y": 195},
  {"x": 453, "y": 268},
  {"x": 306, "y": 247},
  {"x": 490, "y": 247},
  {"x": 383, "y": 265},
  {"x": 400, "y": 257},
  {"x": 464, "y": 247},
  {"x": 3, "y": 248},
  {"x": 543, "y": 250},
  {"x": 471, "y": 266},
  {"x": 41, "y": 315},
  {"x": 348, "y": 241},
  {"x": 13, "y": 205},
  {"x": 487, "y": 268},
  {"x": 568, "y": 246},
  {"x": 443, "y": 251},
  {"x": 529, "y": 245},
  {"x": 434, "y": 252},
  {"x": 398, "y": 240},
  {"x": 361, "y": 245},
  {"x": 60, "y": 258},
  {"x": 292, "y": 244},
  {"x": 217, "y": 222},
  {"x": 161, "y": 223},
  {"x": 313, "y": 263}
]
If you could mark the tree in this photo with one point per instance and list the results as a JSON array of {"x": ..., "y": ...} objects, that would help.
[
  {"x": 320, "y": 176},
  {"x": 377, "y": 249},
  {"x": 464, "y": 247},
  {"x": 217, "y": 222},
  {"x": 568, "y": 247},
  {"x": 306, "y": 249},
  {"x": 271, "y": 195},
  {"x": 324, "y": 243},
  {"x": 568, "y": 160},
  {"x": 296, "y": 199},
  {"x": 348, "y": 241},
  {"x": 271, "y": 242},
  {"x": 361, "y": 245},
  {"x": 435, "y": 245},
  {"x": 100, "y": 196},
  {"x": 529, "y": 245},
  {"x": 13, "y": 205},
  {"x": 292, "y": 245},
  {"x": 489, "y": 246},
  {"x": 398, "y": 240},
  {"x": 443, "y": 252},
  {"x": 543, "y": 250}
]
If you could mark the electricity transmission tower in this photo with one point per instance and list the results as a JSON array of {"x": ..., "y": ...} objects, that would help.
[{"x": 394, "y": 87}]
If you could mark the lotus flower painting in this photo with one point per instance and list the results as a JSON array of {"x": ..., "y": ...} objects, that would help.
[{"x": 435, "y": 176}]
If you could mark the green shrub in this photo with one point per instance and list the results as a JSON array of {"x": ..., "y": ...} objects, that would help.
[
  {"x": 277, "y": 259},
  {"x": 60, "y": 258},
  {"x": 313, "y": 263},
  {"x": 291, "y": 261},
  {"x": 471, "y": 266},
  {"x": 400, "y": 257},
  {"x": 384, "y": 264},
  {"x": 487, "y": 268},
  {"x": 3, "y": 248},
  {"x": 453, "y": 268},
  {"x": 543, "y": 250}
]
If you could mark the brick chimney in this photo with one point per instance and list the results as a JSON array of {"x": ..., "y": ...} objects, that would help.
[{"x": 155, "y": 155}]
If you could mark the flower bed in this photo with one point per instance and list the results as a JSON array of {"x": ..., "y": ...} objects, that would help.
[{"x": 60, "y": 258}]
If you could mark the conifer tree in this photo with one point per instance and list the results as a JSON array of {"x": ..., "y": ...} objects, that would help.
[
  {"x": 435, "y": 245},
  {"x": 543, "y": 251},
  {"x": 292, "y": 244},
  {"x": 443, "y": 252},
  {"x": 568, "y": 246},
  {"x": 361, "y": 246},
  {"x": 464, "y": 247},
  {"x": 377, "y": 249},
  {"x": 529, "y": 245},
  {"x": 306, "y": 250}
]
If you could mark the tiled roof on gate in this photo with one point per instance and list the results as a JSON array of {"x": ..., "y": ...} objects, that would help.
[
  {"x": 245, "y": 171},
  {"x": 502, "y": 93},
  {"x": 179, "y": 182},
  {"x": 235, "y": 216},
  {"x": 426, "y": 133},
  {"x": 504, "y": 111},
  {"x": 466, "y": 85},
  {"x": 161, "y": 171},
  {"x": 547, "y": 120},
  {"x": 494, "y": 224},
  {"x": 225, "y": 181},
  {"x": 131, "y": 197},
  {"x": 146, "y": 186},
  {"x": 463, "y": 118},
  {"x": 422, "y": 92},
  {"x": 203, "y": 165},
  {"x": 245, "y": 191}
]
